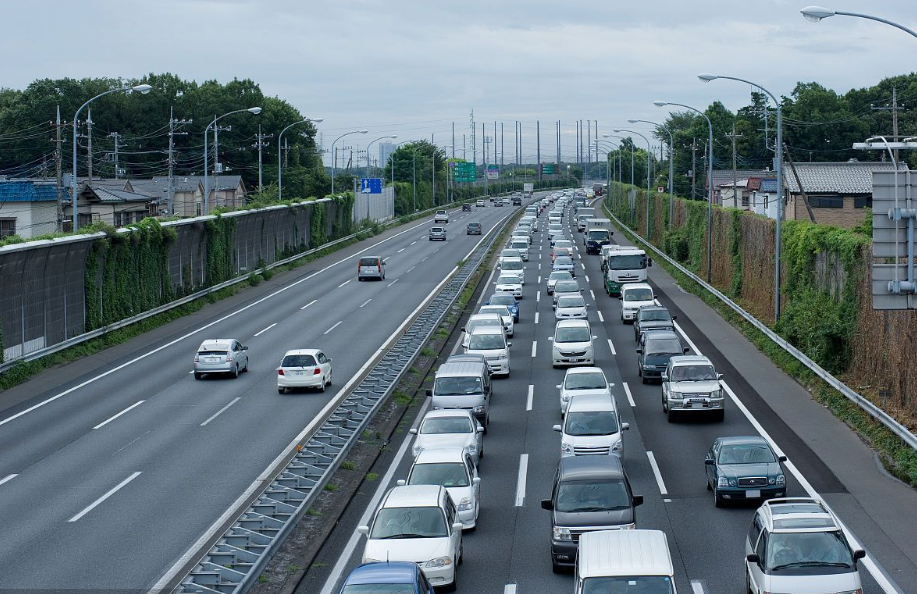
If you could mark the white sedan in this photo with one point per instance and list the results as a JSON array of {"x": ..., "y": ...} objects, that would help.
[
  {"x": 304, "y": 368},
  {"x": 509, "y": 283}
]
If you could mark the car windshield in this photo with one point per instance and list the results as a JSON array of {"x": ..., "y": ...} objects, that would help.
[
  {"x": 638, "y": 295},
  {"x": 627, "y": 262},
  {"x": 591, "y": 496},
  {"x": 369, "y": 261},
  {"x": 555, "y": 227},
  {"x": 443, "y": 425},
  {"x": 571, "y": 301},
  {"x": 563, "y": 243},
  {"x": 563, "y": 261},
  {"x": 298, "y": 361},
  {"x": 654, "y": 315},
  {"x": 474, "y": 323},
  {"x": 512, "y": 265},
  {"x": 746, "y": 453},
  {"x": 486, "y": 342},
  {"x": 506, "y": 279},
  {"x": 500, "y": 310},
  {"x": 379, "y": 589},
  {"x": 457, "y": 386},
  {"x": 662, "y": 346},
  {"x": 409, "y": 522},
  {"x": 503, "y": 300},
  {"x": 693, "y": 373},
  {"x": 560, "y": 275},
  {"x": 522, "y": 245},
  {"x": 447, "y": 474},
  {"x": 786, "y": 550},
  {"x": 562, "y": 287},
  {"x": 575, "y": 334},
  {"x": 585, "y": 381},
  {"x": 645, "y": 584},
  {"x": 591, "y": 422},
  {"x": 509, "y": 253}
]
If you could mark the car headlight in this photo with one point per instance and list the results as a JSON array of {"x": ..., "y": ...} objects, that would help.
[
  {"x": 465, "y": 504},
  {"x": 676, "y": 396},
  {"x": 561, "y": 533},
  {"x": 478, "y": 409},
  {"x": 716, "y": 394},
  {"x": 722, "y": 482},
  {"x": 617, "y": 446},
  {"x": 437, "y": 562},
  {"x": 566, "y": 448},
  {"x": 565, "y": 398},
  {"x": 781, "y": 479},
  {"x": 417, "y": 449},
  {"x": 631, "y": 526}
]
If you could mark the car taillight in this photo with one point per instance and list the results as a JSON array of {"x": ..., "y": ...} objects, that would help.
[
  {"x": 229, "y": 358},
  {"x": 197, "y": 358},
  {"x": 280, "y": 372},
  {"x": 317, "y": 371}
]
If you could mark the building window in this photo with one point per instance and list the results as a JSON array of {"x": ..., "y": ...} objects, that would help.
[
  {"x": 85, "y": 219},
  {"x": 862, "y": 201},
  {"x": 198, "y": 209},
  {"x": 745, "y": 200},
  {"x": 830, "y": 201},
  {"x": 7, "y": 227}
]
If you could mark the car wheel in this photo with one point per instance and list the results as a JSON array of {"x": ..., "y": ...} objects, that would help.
[
  {"x": 246, "y": 366},
  {"x": 555, "y": 567},
  {"x": 709, "y": 488},
  {"x": 454, "y": 585},
  {"x": 281, "y": 390},
  {"x": 197, "y": 375},
  {"x": 322, "y": 389},
  {"x": 359, "y": 279},
  {"x": 665, "y": 405},
  {"x": 329, "y": 377},
  {"x": 747, "y": 583},
  {"x": 235, "y": 372}
]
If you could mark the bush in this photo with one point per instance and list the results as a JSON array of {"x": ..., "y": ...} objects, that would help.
[{"x": 675, "y": 243}]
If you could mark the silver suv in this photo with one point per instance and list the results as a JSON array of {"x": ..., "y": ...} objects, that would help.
[
  {"x": 441, "y": 216},
  {"x": 690, "y": 384},
  {"x": 220, "y": 355},
  {"x": 438, "y": 233}
]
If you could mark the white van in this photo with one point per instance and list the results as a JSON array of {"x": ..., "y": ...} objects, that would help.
[
  {"x": 633, "y": 297},
  {"x": 592, "y": 427},
  {"x": 490, "y": 341},
  {"x": 624, "y": 561}
]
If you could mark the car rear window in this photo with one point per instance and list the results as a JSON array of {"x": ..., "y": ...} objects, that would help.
[
  {"x": 369, "y": 261},
  {"x": 212, "y": 352},
  {"x": 298, "y": 361}
]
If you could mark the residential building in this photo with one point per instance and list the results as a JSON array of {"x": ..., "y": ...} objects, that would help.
[
  {"x": 385, "y": 151},
  {"x": 110, "y": 205},
  {"x": 723, "y": 179},
  {"x": 28, "y": 208}
]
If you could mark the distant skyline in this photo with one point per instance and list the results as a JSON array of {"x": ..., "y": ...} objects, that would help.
[{"x": 412, "y": 68}]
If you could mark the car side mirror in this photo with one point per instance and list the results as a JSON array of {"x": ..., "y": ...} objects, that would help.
[
  {"x": 709, "y": 461},
  {"x": 550, "y": 339},
  {"x": 753, "y": 558},
  {"x": 859, "y": 554},
  {"x": 509, "y": 344},
  {"x": 476, "y": 480},
  {"x": 480, "y": 429},
  {"x": 363, "y": 529},
  {"x": 401, "y": 482},
  {"x": 245, "y": 348},
  {"x": 650, "y": 263},
  {"x": 620, "y": 297},
  {"x": 429, "y": 392},
  {"x": 557, "y": 386},
  {"x": 782, "y": 458},
  {"x": 637, "y": 500},
  {"x": 547, "y": 504},
  {"x": 556, "y": 428},
  {"x": 685, "y": 350},
  {"x": 412, "y": 431},
  {"x": 664, "y": 376},
  {"x": 595, "y": 337},
  {"x": 456, "y": 526},
  {"x": 463, "y": 329},
  {"x": 674, "y": 318},
  {"x": 330, "y": 360},
  {"x": 639, "y": 351}
]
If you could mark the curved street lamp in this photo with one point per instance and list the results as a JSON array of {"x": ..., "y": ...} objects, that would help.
[
  {"x": 671, "y": 164},
  {"x": 143, "y": 90},
  {"x": 251, "y": 110},
  {"x": 333, "y": 159},
  {"x": 393, "y": 137},
  {"x": 817, "y": 13},
  {"x": 648, "y": 190},
  {"x": 709, "y": 182},
  {"x": 280, "y": 154}
]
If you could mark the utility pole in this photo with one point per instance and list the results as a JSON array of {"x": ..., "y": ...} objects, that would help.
[
  {"x": 60, "y": 177},
  {"x": 217, "y": 166},
  {"x": 735, "y": 180},
  {"x": 89, "y": 144},
  {"x": 117, "y": 138},
  {"x": 538, "y": 145},
  {"x": 259, "y": 144},
  {"x": 693, "y": 168},
  {"x": 588, "y": 146},
  {"x": 502, "y": 148},
  {"x": 894, "y": 109},
  {"x": 172, "y": 124},
  {"x": 453, "y": 140},
  {"x": 474, "y": 154}
]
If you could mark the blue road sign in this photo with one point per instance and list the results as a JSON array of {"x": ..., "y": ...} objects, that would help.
[{"x": 370, "y": 185}]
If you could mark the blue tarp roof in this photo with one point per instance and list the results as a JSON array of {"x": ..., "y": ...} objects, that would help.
[{"x": 26, "y": 191}]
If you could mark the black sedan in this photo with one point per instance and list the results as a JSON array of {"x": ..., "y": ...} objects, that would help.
[
  {"x": 652, "y": 317},
  {"x": 654, "y": 354},
  {"x": 740, "y": 468}
]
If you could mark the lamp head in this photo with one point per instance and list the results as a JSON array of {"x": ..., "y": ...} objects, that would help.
[
  {"x": 617, "y": 130},
  {"x": 633, "y": 121},
  {"x": 660, "y": 103},
  {"x": 254, "y": 110},
  {"x": 706, "y": 77},
  {"x": 606, "y": 135},
  {"x": 816, "y": 13},
  {"x": 362, "y": 131},
  {"x": 393, "y": 136},
  {"x": 315, "y": 120},
  {"x": 142, "y": 89}
]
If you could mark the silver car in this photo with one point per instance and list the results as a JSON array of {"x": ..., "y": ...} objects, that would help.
[
  {"x": 450, "y": 427},
  {"x": 553, "y": 278},
  {"x": 438, "y": 233},
  {"x": 220, "y": 355}
]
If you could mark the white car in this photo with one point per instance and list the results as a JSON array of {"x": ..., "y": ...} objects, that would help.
[
  {"x": 553, "y": 278},
  {"x": 564, "y": 263},
  {"x": 571, "y": 307},
  {"x": 591, "y": 427},
  {"x": 449, "y": 428},
  {"x": 453, "y": 469},
  {"x": 582, "y": 380},
  {"x": 633, "y": 297},
  {"x": 491, "y": 342},
  {"x": 521, "y": 246},
  {"x": 572, "y": 343},
  {"x": 505, "y": 314},
  {"x": 514, "y": 266},
  {"x": 563, "y": 243},
  {"x": 476, "y": 321},
  {"x": 523, "y": 235},
  {"x": 509, "y": 283},
  {"x": 508, "y": 253},
  {"x": 564, "y": 287},
  {"x": 480, "y": 203},
  {"x": 304, "y": 368},
  {"x": 416, "y": 523}
]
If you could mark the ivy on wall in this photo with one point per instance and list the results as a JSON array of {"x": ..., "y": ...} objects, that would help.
[{"x": 220, "y": 235}]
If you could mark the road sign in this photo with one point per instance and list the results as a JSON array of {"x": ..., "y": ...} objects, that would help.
[
  {"x": 493, "y": 172},
  {"x": 464, "y": 172},
  {"x": 370, "y": 185},
  {"x": 660, "y": 189},
  {"x": 528, "y": 187},
  {"x": 547, "y": 168}
]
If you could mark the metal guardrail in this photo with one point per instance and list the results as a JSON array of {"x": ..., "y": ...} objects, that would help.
[
  {"x": 234, "y": 562},
  {"x": 864, "y": 403}
]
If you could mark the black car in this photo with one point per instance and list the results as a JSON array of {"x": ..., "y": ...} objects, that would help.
[
  {"x": 474, "y": 229},
  {"x": 652, "y": 317},
  {"x": 741, "y": 468},
  {"x": 467, "y": 207},
  {"x": 517, "y": 200},
  {"x": 654, "y": 354}
]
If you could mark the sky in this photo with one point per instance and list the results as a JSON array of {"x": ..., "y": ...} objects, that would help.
[{"x": 413, "y": 67}]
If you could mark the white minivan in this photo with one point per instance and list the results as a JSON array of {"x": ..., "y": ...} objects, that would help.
[
  {"x": 491, "y": 342},
  {"x": 624, "y": 561},
  {"x": 572, "y": 343},
  {"x": 591, "y": 427},
  {"x": 633, "y": 297},
  {"x": 521, "y": 245}
]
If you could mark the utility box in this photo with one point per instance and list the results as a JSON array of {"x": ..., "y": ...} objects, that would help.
[{"x": 894, "y": 208}]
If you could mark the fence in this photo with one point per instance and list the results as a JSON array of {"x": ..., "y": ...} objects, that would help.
[{"x": 375, "y": 207}]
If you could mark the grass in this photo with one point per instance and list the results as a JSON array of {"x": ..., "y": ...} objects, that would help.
[
  {"x": 314, "y": 513},
  {"x": 372, "y": 476},
  {"x": 348, "y": 465},
  {"x": 402, "y": 399},
  {"x": 331, "y": 487},
  {"x": 427, "y": 352}
]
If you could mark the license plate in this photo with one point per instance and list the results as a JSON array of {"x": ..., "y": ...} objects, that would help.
[
  {"x": 297, "y": 373},
  {"x": 753, "y": 494},
  {"x": 213, "y": 359}
]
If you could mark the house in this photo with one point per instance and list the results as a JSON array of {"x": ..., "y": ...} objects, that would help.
[
  {"x": 723, "y": 180},
  {"x": 764, "y": 198},
  {"x": 28, "y": 208},
  {"x": 226, "y": 191},
  {"x": 744, "y": 195},
  {"x": 109, "y": 204},
  {"x": 187, "y": 197}
]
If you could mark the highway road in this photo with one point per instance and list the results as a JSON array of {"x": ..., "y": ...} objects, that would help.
[
  {"x": 114, "y": 465},
  {"x": 509, "y": 551}
]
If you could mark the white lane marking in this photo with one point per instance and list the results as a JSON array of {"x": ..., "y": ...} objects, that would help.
[
  {"x": 509, "y": 589},
  {"x": 630, "y": 397},
  {"x": 338, "y": 570},
  {"x": 8, "y": 478},
  {"x": 333, "y": 327},
  {"x": 99, "y": 501},
  {"x": 399, "y": 251},
  {"x": 109, "y": 420},
  {"x": 539, "y": 280},
  {"x": 592, "y": 293},
  {"x": 424, "y": 259},
  {"x": 601, "y": 317},
  {"x": 201, "y": 329},
  {"x": 877, "y": 573},
  {"x": 656, "y": 472},
  {"x": 611, "y": 346},
  {"x": 260, "y": 332},
  {"x": 410, "y": 269},
  {"x": 365, "y": 302},
  {"x": 536, "y": 317},
  {"x": 534, "y": 348},
  {"x": 217, "y": 413},
  {"x": 520, "y": 481},
  {"x": 308, "y": 304},
  {"x": 538, "y": 297},
  {"x": 583, "y": 265},
  {"x": 394, "y": 281},
  {"x": 587, "y": 276},
  {"x": 413, "y": 242},
  {"x": 697, "y": 587},
  {"x": 531, "y": 396},
  {"x": 344, "y": 283}
]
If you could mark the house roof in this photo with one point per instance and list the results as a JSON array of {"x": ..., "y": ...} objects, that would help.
[
  {"x": 189, "y": 183},
  {"x": 217, "y": 182},
  {"x": 768, "y": 185},
  {"x": 112, "y": 196},
  {"x": 725, "y": 176},
  {"x": 28, "y": 191},
  {"x": 852, "y": 177}
]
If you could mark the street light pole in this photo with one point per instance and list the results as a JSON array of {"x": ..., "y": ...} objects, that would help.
[
  {"x": 648, "y": 190},
  {"x": 251, "y": 110},
  {"x": 392, "y": 136},
  {"x": 671, "y": 165},
  {"x": 280, "y": 154},
  {"x": 143, "y": 90},
  {"x": 817, "y": 13},
  {"x": 333, "y": 157},
  {"x": 709, "y": 182}
]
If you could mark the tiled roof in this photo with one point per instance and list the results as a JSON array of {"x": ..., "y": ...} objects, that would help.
[
  {"x": 755, "y": 182},
  {"x": 216, "y": 182},
  {"x": 724, "y": 176},
  {"x": 851, "y": 177},
  {"x": 27, "y": 191},
  {"x": 109, "y": 196},
  {"x": 769, "y": 185}
]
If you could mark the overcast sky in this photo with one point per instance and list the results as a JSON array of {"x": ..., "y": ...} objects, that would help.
[{"x": 412, "y": 67}]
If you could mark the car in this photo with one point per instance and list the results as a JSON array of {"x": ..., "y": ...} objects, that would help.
[
  {"x": 590, "y": 493},
  {"x": 572, "y": 343},
  {"x": 742, "y": 468},
  {"x": 464, "y": 382},
  {"x": 474, "y": 229},
  {"x": 564, "y": 263},
  {"x": 438, "y": 233},
  {"x": 797, "y": 544},
  {"x": 591, "y": 427},
  {"x": 441, "y": 216},
  {"x": 491, "y": 342},
  {"x": 508, "y": 300},
  {"x": 480, "y": 204},
  {"x": 449, "y": 427},
  {"x": 571, "y": 307},
  {"x": 655, "y": 351},
  {"x": 634, "y": 296},
  {"x": 553, "y": 278},
  {"x": 497, "y": 201},
  {"x": 392, "y": 577},
  {"x": 521, "y": 246},
  {"x": 505, "y": 314},
  {"x": 561, "y": 251},
  {"x": 513, "y": 266},
  {"x": 508, "y": 253},
  {"x": 453, "y": 469},
  {"x": 509, "y": 283},
  {"x": 517, "y": 200},
  {"x": 563, "y": 287},
  {"x": 417, "y": 523},
  {"x": 466, "y": 207},
  {"x": 477, "y": 320},
  {"x": 371, "y": 267},
  {"x": 582, "y": 380},
  {"x": 220, "y": 356},
  {"x": 304, "y": 368},
  {"x": 523, "y": 235},
  {"x": 652, "y": 317},
  {"x": 563, "y": 243},
  {"x": 691, "y": 385},
  {"x": 555, "y": 231}
]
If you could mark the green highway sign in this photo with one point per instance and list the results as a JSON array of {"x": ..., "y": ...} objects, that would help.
[
  {"x": 464, "y": 172},
  {"x": 547, "y": 168}
]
